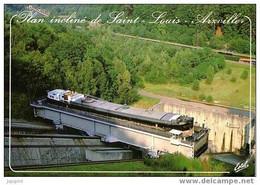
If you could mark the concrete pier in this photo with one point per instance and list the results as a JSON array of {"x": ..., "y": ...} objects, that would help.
[{"x": 107, "y": 154}]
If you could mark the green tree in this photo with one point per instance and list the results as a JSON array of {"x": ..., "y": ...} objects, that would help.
[
  {"x": 209, "y": 99},
  {"x": 233, "y": 79},
  {"x": 240, "y": 45},
  {"x": 156, "y": 75},
  {"x": 217, "y": 42},
  {"x": 244, "y": 75},
  {"x": 229, "y": 71},
  {"x": 202, "y": 97},
  {"x": 210, "y": 75},
  {"x": 196, "y": 85}
]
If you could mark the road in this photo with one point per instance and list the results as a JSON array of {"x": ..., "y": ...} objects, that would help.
[
  {"x": 189, "y": 104},
  {"x": 182, "y": 45},
  {"x": 197, "y": 105}
]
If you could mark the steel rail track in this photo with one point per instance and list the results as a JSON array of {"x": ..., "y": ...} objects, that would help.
[
  {"x": 50, "y": 146},
  {"x": 52, "y": 136}
]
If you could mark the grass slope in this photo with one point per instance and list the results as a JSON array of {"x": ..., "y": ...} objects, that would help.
[
  {"x": 223, "y": 91},
  {"x": 168, "y": 162},
  {"x": 145, "y": 102}
]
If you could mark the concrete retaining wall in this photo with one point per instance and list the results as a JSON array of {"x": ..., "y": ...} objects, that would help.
[
  {"x": 106, "y": 154},
  {"x": 45, "y": 151},
  {"x": 228, "y": 132}
]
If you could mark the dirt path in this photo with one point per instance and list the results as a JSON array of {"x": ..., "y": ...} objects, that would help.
[{"x": 195, "y": 105}]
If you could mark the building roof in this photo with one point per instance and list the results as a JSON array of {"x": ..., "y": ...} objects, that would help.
[{"x": 57, "y": 91}]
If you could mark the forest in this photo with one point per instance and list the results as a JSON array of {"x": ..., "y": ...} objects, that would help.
[
  {"x": 233, "y": 37},
  {"x": 92, "y": 60}
]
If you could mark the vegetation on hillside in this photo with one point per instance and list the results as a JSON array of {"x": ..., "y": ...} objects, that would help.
[
  {"x": 145, "y": 102},
  {"x": 235, "y": 37},
  {"x": 92, "y": 60},
  {"x": 223, "y": 90},
  {"x": 168, "y": 162}
]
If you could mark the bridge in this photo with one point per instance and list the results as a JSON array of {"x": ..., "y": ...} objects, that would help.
[{"x": 152, "y": 141}]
